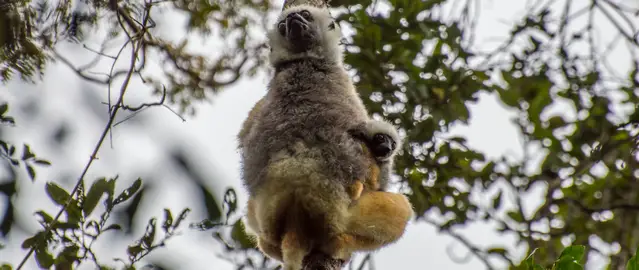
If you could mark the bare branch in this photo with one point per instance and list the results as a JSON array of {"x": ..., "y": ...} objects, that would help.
[
  {"x": 481, "y": 255},
  {"x": 78, "y": 71}
]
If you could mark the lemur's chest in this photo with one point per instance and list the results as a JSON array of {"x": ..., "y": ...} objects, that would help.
[{"x": 314, "y": 112}]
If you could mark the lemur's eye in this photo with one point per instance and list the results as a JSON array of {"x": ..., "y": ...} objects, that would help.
[
  {"x": 305, "y": 14},
  {"x": 282, "y": 28},
  {"x": 379, "y": 138},
  {"x": 331, "y": 26}
]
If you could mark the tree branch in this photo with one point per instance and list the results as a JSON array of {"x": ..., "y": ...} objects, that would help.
[{"x": 317, "y": 260}]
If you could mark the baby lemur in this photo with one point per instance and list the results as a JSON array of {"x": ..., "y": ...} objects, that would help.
[
  {"x": 300, "y": 157},
  {"x": 382, "y": 141}
]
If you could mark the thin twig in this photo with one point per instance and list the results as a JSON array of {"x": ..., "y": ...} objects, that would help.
[
  {"x": 100, "y": 53},
  {"x": 482, "y": 256},
  {"x": 611, "y": 18},
  {"x": 366, "y": 260},
  {"x": 78, "y": 71},
  {"x": 590, "y": 210}
]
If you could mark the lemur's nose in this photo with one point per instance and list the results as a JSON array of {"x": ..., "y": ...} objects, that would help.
[{"x": 296, "y": 26}]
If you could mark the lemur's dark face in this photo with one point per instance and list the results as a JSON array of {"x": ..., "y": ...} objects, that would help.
[
  {"x": 382, "y": 145},
  {"x": 299, "y": 29}
]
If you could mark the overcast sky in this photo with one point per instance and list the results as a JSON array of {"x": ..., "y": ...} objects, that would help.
[{"x": 209, "y": 138}]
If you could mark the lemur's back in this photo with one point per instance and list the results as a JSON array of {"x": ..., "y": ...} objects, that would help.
[{"x": 311, "y": 102}]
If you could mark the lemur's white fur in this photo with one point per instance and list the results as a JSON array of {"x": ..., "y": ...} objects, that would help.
[{"x": 330, "y": 38}]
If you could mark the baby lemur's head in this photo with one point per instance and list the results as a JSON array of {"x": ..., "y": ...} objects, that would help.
[
  {"x": 305, "y": 31},
  {"x": 380, "y": 137}
]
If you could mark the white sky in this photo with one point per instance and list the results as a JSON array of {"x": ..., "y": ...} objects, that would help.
[{"x": 209, "y": 138}]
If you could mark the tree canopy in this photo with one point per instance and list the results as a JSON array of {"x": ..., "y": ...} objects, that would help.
[{"x": 415, "y": 63}]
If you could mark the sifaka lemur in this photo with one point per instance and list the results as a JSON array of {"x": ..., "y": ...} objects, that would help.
[{"x": 302, "y": 151}]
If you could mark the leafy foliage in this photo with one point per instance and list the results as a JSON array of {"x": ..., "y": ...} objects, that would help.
[
  {"x": 429, "y": 77},
  {"x": 571, "y": 258},
  {"x": 8, "y": 151},
  {"x": 230, "y": 230},
  {"x": 35, "y": 27},
  {"x": 77, "y": 233}
]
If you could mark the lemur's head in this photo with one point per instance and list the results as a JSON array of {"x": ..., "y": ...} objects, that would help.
[
  {"x": 380, "y": 137},
  {"x": 305, "y": 31}
]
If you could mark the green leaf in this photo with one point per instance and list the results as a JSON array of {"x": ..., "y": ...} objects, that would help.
[
  {"x": 70, "y": 251},
  {"x": 67, "y": 226},
  {"x": 127, "y": 193},
  {"x": 556, "y": 122},
  {"x": 509, "y": 96},
  {"x": 116, "y": 227},
  {"x": 132, "y": 208},
  {"x": 30, "y": 242},
  {"x": 567, "y": 264},
  {"x": 8, "y": 119},
  {"x": 181, "y": 217},
  {"x": 57, "y": 194},
  {"x": 570, "y": 258},
  {"x": 529, "y": 262},
  {"x": 46, "y": 218},
  {"x": 501, "y": 251},
  {"x": 515, "y": 216},
  {"x": 26, "y": 152},
  {"x": 97, "y": 189},
  {"x": 206, "y": 224},
  {"x": 31, "y": 172},
  {"x": 4, "y": 108},
  {"x": 74, "y": 214},
  {"x": 168, "y": 220},
  {"x": 497, "y": 200},
  {"x": 541, "y": 100},
  {"x": 44, "y": 259},
  {"x": 4, "y": 146},
  {"x": 42, "y": 162},
  {"x": 6, "y": 267},
  {"x": 134, "y": 250},
  {"x": 633, "y": 263},
  {"x": 575, "y": 252},
  {"x": 149, "y": 235},
  {"x": 238, "y": 233},
  {"x": 212, "y": 208},
  {"x": 67, "y": 258},
  {"x": 110, "y": 192}
]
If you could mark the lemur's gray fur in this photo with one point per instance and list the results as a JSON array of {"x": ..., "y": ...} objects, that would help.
[
  {"x": 299, "y": 154},
  {"x": 311, "y": 101}
]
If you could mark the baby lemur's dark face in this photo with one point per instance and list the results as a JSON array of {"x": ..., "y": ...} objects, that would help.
[{"x": 382, "y": 145}]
